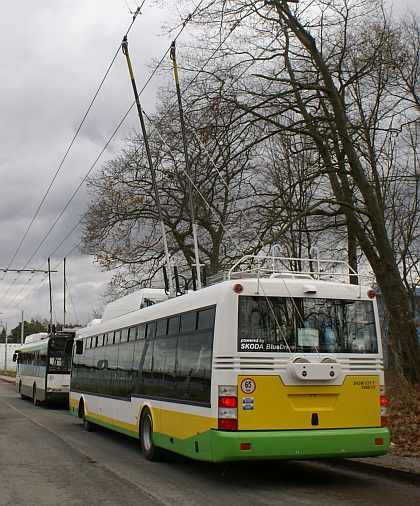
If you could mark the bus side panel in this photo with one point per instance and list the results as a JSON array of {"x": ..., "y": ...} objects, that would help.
[
  {"x": 26, "y": 385},
  {"x": 185, "y": 430},
  {"x": 74, "y": 399},
  {"x": 197, "y": 425},
  {"x": 168, "y": 427},
  {"x": 115, "y": 414}
]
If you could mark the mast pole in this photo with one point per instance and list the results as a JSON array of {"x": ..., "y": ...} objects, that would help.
[
  {"x": 50, "y": 288},
  {"x": 187, "y": 165},
  {"x": 124, "y": 47},
  {"x": 64, "y": 294}
]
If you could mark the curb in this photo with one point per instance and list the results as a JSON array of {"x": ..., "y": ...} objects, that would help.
[
  {"x": 395, "y": 472},
  {"x": 8, "y": 379}
]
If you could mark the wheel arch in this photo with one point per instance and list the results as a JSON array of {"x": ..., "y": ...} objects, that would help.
[
  {"x": 81, "y": 407},
  {"x": 141, "y": 413}
]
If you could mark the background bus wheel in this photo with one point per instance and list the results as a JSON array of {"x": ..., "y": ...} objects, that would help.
[
  {"x": 20, "y": 391},
  {"x": 88, "y": 426},
  {"x": 35, "y": 400},
  {"x": 150, "y": 451}
]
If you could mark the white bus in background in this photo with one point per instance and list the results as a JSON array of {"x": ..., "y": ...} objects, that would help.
[{"x": 43, "y": 367}]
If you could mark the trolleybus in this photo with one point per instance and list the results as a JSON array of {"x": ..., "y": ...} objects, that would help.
[
  {"x": 265, "y": 364},
  {"x": 43, "y": 367}
]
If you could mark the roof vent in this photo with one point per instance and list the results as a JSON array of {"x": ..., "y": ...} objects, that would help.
[{"x": 309, "y": 289}]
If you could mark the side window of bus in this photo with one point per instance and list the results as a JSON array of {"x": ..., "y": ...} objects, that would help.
[
  {"x": 117, "y": 336},
  {"x": 112, "y": 362},
  {"x": 145, "y": 369},
  {"x": 163, "y": 374},
  {"x": 173, "y": 325},
  {"x": 125, "y": 369},
  {"x": 206, "y": 318},
  {"x": 188, "y": 321},
  {"x": 151, "y": 329},
  {"x": 141, "y": 332},
  {"x": 161, "y": 326},
  {"x": 124, "y": 335},
  {"x": 194, "y": 367},
  {"x": 137, "y": 361},
  {"x": 100, "y": 367},
  {"x": 42, "y": 358},
  {"x": 132, "y": 334}
]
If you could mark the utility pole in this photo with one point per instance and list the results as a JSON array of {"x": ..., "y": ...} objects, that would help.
[
  {"x": 22, "y": 330},
  {"x": 5, "y": 350}
]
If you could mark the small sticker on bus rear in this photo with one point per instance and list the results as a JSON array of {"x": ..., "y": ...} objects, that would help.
[{"x": 248, "y": 403}]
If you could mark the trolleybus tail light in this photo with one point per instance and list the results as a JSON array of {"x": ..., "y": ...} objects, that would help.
[
  {"x": 379, "y": 441},
  {"x": 371, "y": 294},
  {"x": 383, "y": 401},
  {"x": 227, "y": 424},
  {"x": 228, "y": 407},
  {"x": 245, "y": 446},
  {"x": 238, "y": 288},
  {"x": 228, "y": 402}
]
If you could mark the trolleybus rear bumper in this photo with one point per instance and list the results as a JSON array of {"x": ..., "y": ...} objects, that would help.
[{"x": 299, "y": 444}]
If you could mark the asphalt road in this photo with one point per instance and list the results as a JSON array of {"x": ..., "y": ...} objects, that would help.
[{"x": 47, "y": 458}]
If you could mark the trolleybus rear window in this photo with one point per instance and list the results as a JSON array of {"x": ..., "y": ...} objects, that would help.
[{"x": 283, "y": 324}]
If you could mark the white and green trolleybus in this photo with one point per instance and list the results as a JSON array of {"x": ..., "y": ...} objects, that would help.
[
  {"x": 265, "y": 364},
  {"x": 43, "y": 367}
]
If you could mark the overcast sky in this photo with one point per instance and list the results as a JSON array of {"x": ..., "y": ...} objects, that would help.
[{"x": 53, "y": 57}]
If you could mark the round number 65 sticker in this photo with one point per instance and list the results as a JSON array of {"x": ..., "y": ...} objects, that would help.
[{"x": 248, "y": 386}]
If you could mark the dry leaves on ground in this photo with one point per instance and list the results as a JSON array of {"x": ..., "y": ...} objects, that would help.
[{"x": 404, "y": 417}]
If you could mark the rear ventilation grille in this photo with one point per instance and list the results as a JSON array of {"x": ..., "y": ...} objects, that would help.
[{"x": 270, "y": 363}]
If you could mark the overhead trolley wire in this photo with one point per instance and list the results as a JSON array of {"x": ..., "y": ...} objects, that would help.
[
  {"x": 65, "y": 157},
  {"x": 95, "y": 162},
  {"x": 183, "y": 26},
  {"x": 57, "y": 172}
]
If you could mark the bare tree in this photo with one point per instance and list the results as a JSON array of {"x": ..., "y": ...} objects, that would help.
[
  {"x": 298, "y": 118},
  {"x": 121, "y": 226},
  {"x": 324, "y": 70}
]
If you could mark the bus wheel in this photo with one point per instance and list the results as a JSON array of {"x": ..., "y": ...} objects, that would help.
[
  {"x": 35, "y": 400},
  {"x": 20, "y": 391},
  {"x": 150, "y": 451},
  {"x": 88, "y": 426}
]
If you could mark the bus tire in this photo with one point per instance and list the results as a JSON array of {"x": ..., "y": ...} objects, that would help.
[
  {"x": 150, "y": 451},
  {"x": 88, "y": 426},
  {"x": 20, "y": 391},
  {"x": 34, "y": 399}
]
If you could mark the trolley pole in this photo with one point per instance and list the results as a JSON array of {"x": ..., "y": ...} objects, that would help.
[
  {"x": 187, "y": 166},
  {"x": 124, "y": 47}
]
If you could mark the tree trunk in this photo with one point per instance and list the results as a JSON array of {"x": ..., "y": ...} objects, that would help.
[{"x": 402, "y": 330}]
